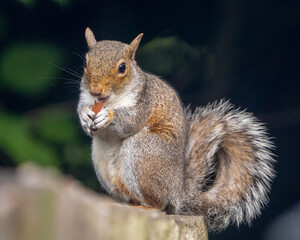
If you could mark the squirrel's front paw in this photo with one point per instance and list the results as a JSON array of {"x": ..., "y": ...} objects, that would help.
[
  {"x": 102, "y": 119},
  {"x": 86, "y": 115}
]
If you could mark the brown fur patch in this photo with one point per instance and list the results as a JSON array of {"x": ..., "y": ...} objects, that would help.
[
  {"x": 234, "y": 167},
  {"x": 149, "y": 194},
  {"x": 116, "y": 183},
  {"x": 121, "y": 189},
  {"x": 160, "y": 124},
  {"x": 150, "y": 185},
  {"x": 197, "y": 159},
  {"x": 235, "y": 155},
  {"x": 110, "y": 115}
]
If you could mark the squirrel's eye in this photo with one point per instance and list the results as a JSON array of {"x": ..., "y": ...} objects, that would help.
[{"x": 122, "y": 67}]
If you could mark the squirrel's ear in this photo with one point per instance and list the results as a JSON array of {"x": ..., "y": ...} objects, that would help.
[
  {"x": 134, "y": 45},
  {"x": 90, "y": 37}
]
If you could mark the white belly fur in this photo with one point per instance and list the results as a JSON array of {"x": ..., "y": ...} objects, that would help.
[{"x": 105, "y": 152}]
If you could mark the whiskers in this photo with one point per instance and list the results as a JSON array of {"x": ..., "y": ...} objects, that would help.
[
  {"x": 73, "y": 82},
  {"x": 67, "y": 70},
  {"x": 77, "y": 54},
  {"x": 75, "y": 74}
]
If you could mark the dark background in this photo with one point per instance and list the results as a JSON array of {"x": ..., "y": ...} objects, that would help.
[{"x": 245, "y": 51}]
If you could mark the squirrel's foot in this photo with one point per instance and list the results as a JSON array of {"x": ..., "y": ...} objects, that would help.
[
  {"x": 86, "y": 115},
  {"x": 102, "y": 119}
]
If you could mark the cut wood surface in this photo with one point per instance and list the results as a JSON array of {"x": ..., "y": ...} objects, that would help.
[{"x": 40, "y": 204}]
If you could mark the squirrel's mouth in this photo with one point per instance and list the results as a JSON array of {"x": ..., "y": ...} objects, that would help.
[{"x": 104, "y": 99}]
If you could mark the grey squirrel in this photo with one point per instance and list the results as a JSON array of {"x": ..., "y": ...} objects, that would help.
[{"x": 150, "y": 150}]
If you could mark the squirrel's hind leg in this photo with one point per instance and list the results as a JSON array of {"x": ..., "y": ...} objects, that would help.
[{"x": 152, "y": 170}]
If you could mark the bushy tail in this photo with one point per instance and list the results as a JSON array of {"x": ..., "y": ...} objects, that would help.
[{"x": 229, "y": 165}]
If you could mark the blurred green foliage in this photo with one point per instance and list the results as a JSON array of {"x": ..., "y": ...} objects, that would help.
[
  {"x": 57, "y": 125},
  {"x": 17, "y": 141},
  {"x": 25, "y": 69},
  {"x": 30, "y": 3},
  {"x": 38, "y": 119},
  {"x": 27, "y": 2},
  {"x": 165, "y": 56}
]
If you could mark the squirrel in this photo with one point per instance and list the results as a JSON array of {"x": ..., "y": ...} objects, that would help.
[{"x": 150, "y": 150}]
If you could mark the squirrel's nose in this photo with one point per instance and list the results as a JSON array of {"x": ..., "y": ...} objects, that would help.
[{"x": 96, "y": 91}]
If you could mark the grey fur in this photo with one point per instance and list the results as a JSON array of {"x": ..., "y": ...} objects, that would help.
[
  {"x": 165, "y": 154},
  {"x": 222, "y": 210}
]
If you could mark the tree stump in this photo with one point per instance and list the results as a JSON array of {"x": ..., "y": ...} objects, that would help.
[{"x": 40, "y": 204}]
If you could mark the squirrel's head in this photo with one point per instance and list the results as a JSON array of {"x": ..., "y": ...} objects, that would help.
[{"x": 108, "y": 67}]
